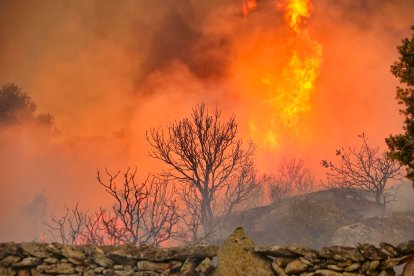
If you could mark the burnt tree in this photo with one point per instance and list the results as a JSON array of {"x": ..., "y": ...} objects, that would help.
[
  {"x": 361, "y": 169},
  {"x": 202, "y": 153},
  {"x": 143, "y": 213},
  {"x": 292, "y": 177}
]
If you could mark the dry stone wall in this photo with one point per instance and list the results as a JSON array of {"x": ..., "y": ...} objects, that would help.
[{"x": 237, "y": 256}]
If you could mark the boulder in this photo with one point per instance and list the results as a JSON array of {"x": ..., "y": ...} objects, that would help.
[
  {"x": 72, "y": 252},
  {"x": 125, "y": 255},
  {"x": 35, "y": 249},
  {"x": 375, "y": 230},
  {"x": 409, "y": 268},
  {"x": 407, "y": 247},
  {"x": 237, "y": 257},
  {"x": 350, "y": 253},
  {"x": 144, "y": 265},
  {"x": 60, "y": 268},
  {"x": 9, "y": 260},
  {"x": 296, "y": 267},
  {"x": 27, "y": 262},
  {"x": 205, "y": 267}
]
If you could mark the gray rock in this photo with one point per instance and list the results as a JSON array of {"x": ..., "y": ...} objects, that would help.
[
  {"x": 389, "y": 272},
  {"x": 176, "y": 253},
  {"x": 373, "y": 265},
  {"x": 90, "y": 272},
  {"x": 152, "y": 266},
  {"x": 389, "y": 250},
  {"x": 282, "y": 261},
  {"x": 305, "y": 261},
  {"x": 80, "y": 269},
  {"x": 98, "y": 256},
  {"x": 9, "y": 248},
  {"x": 148, "y": 273},
  {"x": 205, "y": 267},
  {"x": 99, "y": 269},
  {"x": 54, "y": 248},
  {"x": 325, "y": 252},
  {"x": 50, "y": 260},
  {"x": 123, "y": 272},
  {"x": 118, "y": 267},
  {"x": 409, "y": 268},
  {"x": 371, "y": 252},
  {"x": 406, "y": 247},
  {"x": 108, "y": 272},
  {"x": 35, "y": 249},
  {"x": 188, "y": 268},
  {"x": 72, "y": 252},
  {"x": 296, "y": 267},
  {"x": 335, "y": 268},
  {"x": 275, "y": 251},
  {"x": 9, "y": 260},
  {"x": 326, "y": 272},
  {"x": 390, "y": 263},
  {"x": 236, "y": 257},
  {"x": 347, "y": 252},
  {"x": 125, "y": 255},
  {"x": 278, "y": 269},
  {"x": 364, "y": 267},
  {"x": 27, "y": 262},
  {"x": 34, "y": 272},
  {"x": 352, "y": 274},
  {"x": 304, "y": 251},
  {"x": 60, "y": 268},
  {"x": 345, "y": 263},
  {"x": 352, "y": 267}
]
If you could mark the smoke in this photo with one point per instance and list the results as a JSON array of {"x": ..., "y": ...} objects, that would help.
[{"x": 109, "y": 71}]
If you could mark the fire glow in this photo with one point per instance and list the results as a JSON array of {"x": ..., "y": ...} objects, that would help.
[{"x": 285, "y": 92}]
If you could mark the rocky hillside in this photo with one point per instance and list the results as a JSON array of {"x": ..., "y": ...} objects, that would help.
[{"x": 321, "y": 218}]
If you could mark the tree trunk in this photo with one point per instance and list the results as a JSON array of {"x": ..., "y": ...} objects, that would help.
[
  {"x": 206, "y": 215},
  {"x": 378, "y": 198}
]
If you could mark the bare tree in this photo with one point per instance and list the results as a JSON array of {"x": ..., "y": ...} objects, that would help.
[
  {"x": 69, "y": 228},
  {"x": 144, "y": 213},
  {"x": 203, "y": 152},
  {"x": 362, "y": 169},
  {"x": 246, "y": 185},
  {"x": 291, "y": 178}
]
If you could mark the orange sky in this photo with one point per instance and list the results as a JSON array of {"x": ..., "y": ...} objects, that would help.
[{"x": 108, "y": 72}]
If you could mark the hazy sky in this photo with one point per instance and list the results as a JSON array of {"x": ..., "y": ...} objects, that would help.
[{"x": 110, "y": 70}]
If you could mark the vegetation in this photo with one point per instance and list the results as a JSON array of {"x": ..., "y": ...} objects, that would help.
[
  {"x": 401, "y": 146},
  {"x": 361, "y": 169},
  {"x": 16, "y": 107},
  {"x": 292, "y": 178},
  {"x": 216, "y": 174},
  {"x": 142, "y": 213}
]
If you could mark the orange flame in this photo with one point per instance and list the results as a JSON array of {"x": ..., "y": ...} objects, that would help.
[
  {"x": 284, "y": 94},
  {"x": 297, "y": 12},
  {"x": 248, "y": 6}
]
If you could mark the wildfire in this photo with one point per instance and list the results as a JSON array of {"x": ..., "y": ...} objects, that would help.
[
  {"x": 248, "y": 6},
  {"x": 284, "y": 93},
  {"x": 297, "y": 12}
]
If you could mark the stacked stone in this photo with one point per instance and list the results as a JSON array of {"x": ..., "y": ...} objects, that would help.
[
  {"x": 238, "y": 256},
  {"x": 365, "y": 259},
  {"x": 33, "y": 259}
]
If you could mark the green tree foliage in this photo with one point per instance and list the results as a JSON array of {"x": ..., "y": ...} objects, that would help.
[
  {"x": 16, "y": 107},
  {"x": 402, "y": 145}
]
